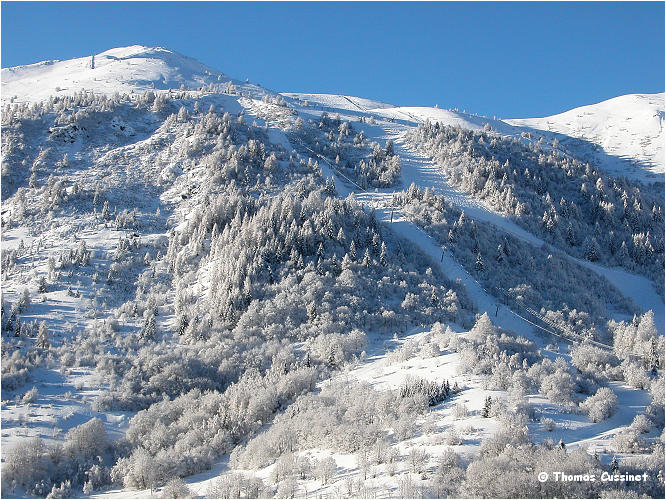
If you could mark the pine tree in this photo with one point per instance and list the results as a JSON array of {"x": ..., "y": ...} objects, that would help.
[
  {"x": 352, "y": 251},
  {"x": 382, "y": 255},
  {"x": 330, "y": 187},
  {"x": 375, "y": 242},
  {"x": 183, "y": 115},
  {"x": 3, "y": 316},
  {"x": 622, "y": 255},
  {"x": 149, "y": 329},
  {"x": 106, "y": 211},
  {"x": 43, "y": 336},
  {"x": 655, "y": 355},
  {"x": 570, "y": 237},
  {"x": 434, "y": 300},
  {"x": 182, "y": 324},
  {"x": 312, "y": 312},
  {"x": 615, "y": 465},
  {"x": 96, "y": 196},
  {"x": 591, "y": 249},
  {"x": 41, "y": 285},
  {"x": 389, "y": 148},
  {"x": 487, "y": 406},
  {"x": 478, "y": 265},
  {"x": 500, "y": 254},
  {"x": 335, "y": 264},
  {"x": 366, "y": 258},
  {"x": 341, "y": 236}
]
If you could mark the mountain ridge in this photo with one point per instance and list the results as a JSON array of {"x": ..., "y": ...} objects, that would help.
[
  {"x": 630, "y": 125},
  {"x": 625, "y": 133},
  {"x": 231, "y": 281},
  {"x": 129, "y": 69}
]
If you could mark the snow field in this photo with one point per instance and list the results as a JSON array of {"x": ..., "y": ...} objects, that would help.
[{"x": 136, "y": 171}]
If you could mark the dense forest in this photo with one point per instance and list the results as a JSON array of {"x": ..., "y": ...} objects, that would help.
[
  {"x": 570, "y": 204},
  {"x": 203, "y": 279}
]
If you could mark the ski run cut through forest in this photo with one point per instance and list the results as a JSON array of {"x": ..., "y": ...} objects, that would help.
[{"x": 213, "y": 290}]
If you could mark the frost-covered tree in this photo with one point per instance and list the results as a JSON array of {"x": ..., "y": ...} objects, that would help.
[
  {"x": 418, "y": 460},
  {"x": 325, "y": 469},
  {"x": 601, "y": 405},
  {"x": 43, "y": 336}
]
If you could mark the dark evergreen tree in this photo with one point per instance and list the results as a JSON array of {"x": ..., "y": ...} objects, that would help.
[{"x": 487, "y": 406}]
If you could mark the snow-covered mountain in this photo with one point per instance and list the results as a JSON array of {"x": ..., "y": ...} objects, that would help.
[
  {"x": 125, "y": 69},
  {"x": 315, "y": 294},
  {"x": 629, "y": 126},
  {"x": 335, "y": 101},
  {"x": 623, "y": 135}
]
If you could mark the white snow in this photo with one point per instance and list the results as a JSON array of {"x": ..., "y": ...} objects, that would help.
[
  {"x": 384, "y": 372},
  {"x": 424, "y": 173},
  {"x": 124, "y": 70},
  {"x": 627, "y": 127},
  {"x": 341, "y": 102},
  {"x": 624, "y": 135}
]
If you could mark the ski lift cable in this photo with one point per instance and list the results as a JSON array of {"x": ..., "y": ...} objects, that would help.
[
  {"x": 335, "y": 170},
  {"x": 564, "y": 332}
]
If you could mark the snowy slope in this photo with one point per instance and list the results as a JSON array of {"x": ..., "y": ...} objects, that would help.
[
  {"x": 145, "y": 173},
  {"x": 342, "y": 102},
  {"x": 125, "y": 70},
  {"x": 137, "y": 68},
  {"x": 412, "y": 115},
  {"x": 629, "y": 126},
  {"x": 421, "y": 114},
  {"x": 418, "y": 354},
  {"x": 623, "y": 135},
  {"x": 425, "y": 173}
]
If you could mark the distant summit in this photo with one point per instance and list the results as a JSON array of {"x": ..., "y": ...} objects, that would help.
[
  {"x": 623, "y": 135},
  {"x": 629, "y": 126},
  {"x": 125, "y": 69}
]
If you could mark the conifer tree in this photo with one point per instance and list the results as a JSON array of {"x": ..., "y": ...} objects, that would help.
[
  {"x": 487, "y": 406},
  {"x": 366, "y": 258},
  {"x": 352, "y": 251},
  {"x": 382, "y": 256},
  {"x": 478, "y": 265},
  {"x": 43, "y": 336}
]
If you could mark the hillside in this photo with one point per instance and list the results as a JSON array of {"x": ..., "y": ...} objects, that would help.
[
  {"x": 623, "y": 136},
  {"x": 213, "y": 289},
  {"x": 133, "y": 69},
  {"x": 339, "y": 102},
  {"x": 630, "y": 127}
]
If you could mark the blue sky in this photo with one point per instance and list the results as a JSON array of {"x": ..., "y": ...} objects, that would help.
[{"x": 504, "y": 59}]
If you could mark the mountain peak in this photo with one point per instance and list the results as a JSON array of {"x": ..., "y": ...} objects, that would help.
[
  {"x": 132, "y": 50},
  {"x": 134, "y": 68},
  {"x": 628, "y": 128}
]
